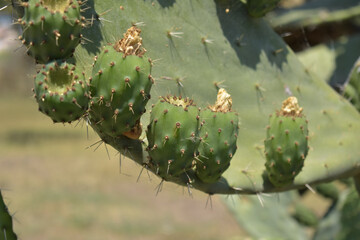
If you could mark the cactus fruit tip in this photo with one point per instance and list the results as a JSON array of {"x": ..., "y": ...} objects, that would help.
[
  {"x": 290, "y": 108},
  {"x": 223, "y": 102},
  {"x": 131, "y": 43}
]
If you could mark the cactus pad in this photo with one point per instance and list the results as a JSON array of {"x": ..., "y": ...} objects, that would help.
[
  {"x": 51, "y": 28},
  {"x": 254, "y": 63},
  {"x": 61, "y": 91},
  {"x": 6, "y": 223},
  {"x": 173, "y": 136},
  {"x": 218, "y": 136},
  {"x": 286, "y": 145},
  {"x": 120, "y": 87}
]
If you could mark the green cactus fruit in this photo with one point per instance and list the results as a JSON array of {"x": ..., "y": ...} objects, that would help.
[
  {"x": 328, "y": 190},
  {"x": 120, "y": 87},
  {"x": 6, "y": 224},
  {"x": 51, "y": 28},
  {"x": 258, "y": 8},
  {"x": 173, "y": 136},
  {"x": 286, "y": 143},
  {"x": 218, "y": 137},
  {"x": 61, "y": 91},
  {"x": 305, "y": 216}
]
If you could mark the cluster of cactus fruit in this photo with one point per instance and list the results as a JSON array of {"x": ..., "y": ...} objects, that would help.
[
  {"x": 181, "y": 136},
  {"x": 183, "y": 141}
]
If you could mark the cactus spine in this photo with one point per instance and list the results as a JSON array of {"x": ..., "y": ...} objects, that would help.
[{"x": 286, "y": 144}]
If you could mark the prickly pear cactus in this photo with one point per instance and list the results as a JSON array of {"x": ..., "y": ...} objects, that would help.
[
  {"x": 120, "y": 86},
  {"x": 248, "y": 58},
  {"x": 6, "y": 222},
  {"x": 218, "y": 137},
  {"x": 173, "y": 135},
  {"x": 51, "y": 28},
  {"x": 229, "y": 48},
  {"x": 286, "y": 144},
  {"x": 61, "y": 91}
]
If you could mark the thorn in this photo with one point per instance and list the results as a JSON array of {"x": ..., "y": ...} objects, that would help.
[
  {"x": 209, "y": 200},
  {"x": 189, "y": 190},
  {"x": 107, "y": 151},
  {"x": 98, "y": 142},
  {"x": 120, "y": 162},
  {"x": 142, "y": 169},
  {"x": 159, "y": 187},
  {"x": 171, "y": 34},
  {"x": 205, "y": 40},
  {"x": 310, "y": 188},
  {"x": 4, "y": 7},
  {"x": 261, "y": 200}
]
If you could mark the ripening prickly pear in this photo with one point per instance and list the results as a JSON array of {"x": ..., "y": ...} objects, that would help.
[
  {"x": 61, "y": 91},
  {"x": 51, "y": 28},
  {"x": 6, "y": 223},
  {"x": 120, "y": 86},
  {"x": 173, "y": 136},
  {"x": 286, "y": 144},
  {"x": 218, "y": 137},
  {"x": 258, "y": 8}
]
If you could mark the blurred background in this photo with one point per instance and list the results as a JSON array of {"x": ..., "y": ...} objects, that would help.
[{"x": 62, "y": 185}]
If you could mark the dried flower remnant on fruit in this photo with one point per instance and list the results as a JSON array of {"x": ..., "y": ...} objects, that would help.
[
  {"x": 135, "y": 132},
  {"x": 290, "y": 108},
  {"x": 223, "y": 102},
  {"x": 179, "y": 101},
  {"x": 131, "y": 43}
]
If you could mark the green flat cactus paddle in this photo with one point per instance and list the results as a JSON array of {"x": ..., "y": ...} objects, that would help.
[{"x": 250, "y": 59}]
